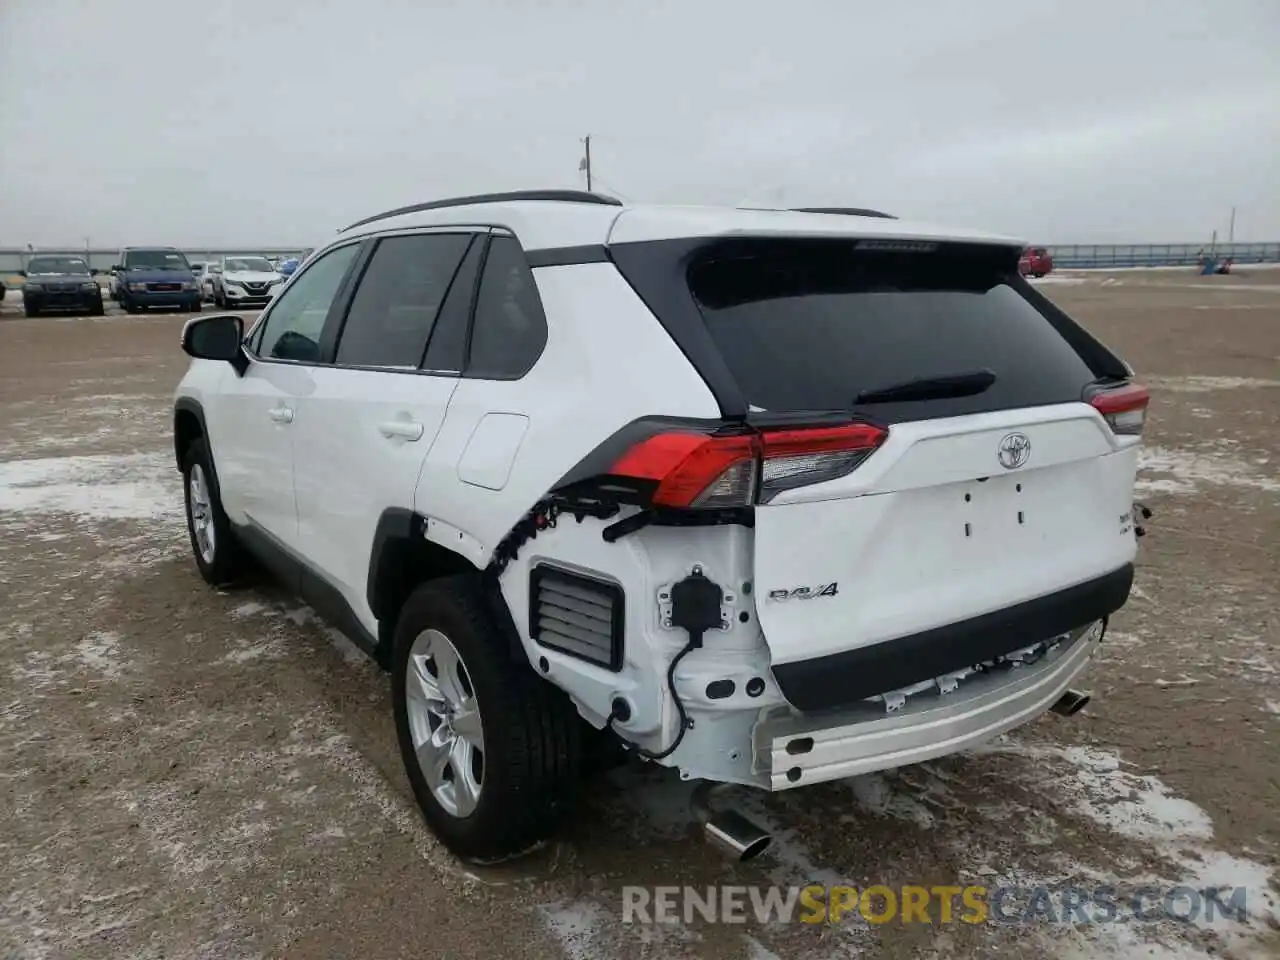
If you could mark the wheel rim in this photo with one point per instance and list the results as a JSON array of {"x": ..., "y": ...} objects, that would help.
[
  {"x": 201, "y": 509},
  {"x": 444, "y": 722}
]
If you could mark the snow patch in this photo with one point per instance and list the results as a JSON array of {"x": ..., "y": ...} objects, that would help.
[
  {"x": 579, "y": 927},
  {"x": 1199, "y": 384},
  {"x": 1189, "y": 470},
  {"x": 127, "y": 487}
]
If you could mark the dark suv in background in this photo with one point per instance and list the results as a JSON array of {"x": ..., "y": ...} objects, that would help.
[
  {"x": 61, "y": 283},
  {"x": 155, "y": 277}
]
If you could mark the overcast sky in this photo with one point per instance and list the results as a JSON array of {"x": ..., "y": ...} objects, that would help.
[{"x": 245, "y": 122}]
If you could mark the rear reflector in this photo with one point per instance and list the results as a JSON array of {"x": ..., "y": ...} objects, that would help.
[
  {"x": 1123, "y": 407},
  {"x": 708, "y": 471}
]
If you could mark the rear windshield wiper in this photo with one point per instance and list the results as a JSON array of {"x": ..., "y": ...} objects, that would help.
[{"x": 965, "y": 384}]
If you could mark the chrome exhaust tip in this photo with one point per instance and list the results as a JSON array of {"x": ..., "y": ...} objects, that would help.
[
  {"x": 1070, "y": 703},
  {"x": 727, "y": 830}
]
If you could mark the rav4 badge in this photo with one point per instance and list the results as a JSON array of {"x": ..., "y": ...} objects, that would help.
[{"x": 805, "y": 593}]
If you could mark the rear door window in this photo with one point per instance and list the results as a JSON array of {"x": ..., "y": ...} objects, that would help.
[
  {"x": 808, "y": 325},
  {"x": 397, "y": 300}
]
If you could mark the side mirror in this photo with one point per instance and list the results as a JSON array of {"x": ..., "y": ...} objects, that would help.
[
  {"x": 218, "y": 337},
  {"x": 22, "y": 273}
]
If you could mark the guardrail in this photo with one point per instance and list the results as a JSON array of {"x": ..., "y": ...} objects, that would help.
[{"x": 1102, "y": 255}]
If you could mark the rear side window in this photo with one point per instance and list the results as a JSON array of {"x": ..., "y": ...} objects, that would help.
[
  {"x": 510, "y": 329},
  {"x": 808, "y": 325},
  {"x": 398, "y": 298}
]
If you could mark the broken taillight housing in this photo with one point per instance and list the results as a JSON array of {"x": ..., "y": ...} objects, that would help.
[
  {"x": 1123, "y": 406},
  {"x": 698, "y": 470}
]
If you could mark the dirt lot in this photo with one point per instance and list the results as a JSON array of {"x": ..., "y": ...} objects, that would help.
[{"x": 186, "y": 773}]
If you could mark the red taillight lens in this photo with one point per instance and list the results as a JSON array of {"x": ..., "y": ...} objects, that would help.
[
  {"x": 1123, "y": 407},
  {"x": 700, "y": 470}
]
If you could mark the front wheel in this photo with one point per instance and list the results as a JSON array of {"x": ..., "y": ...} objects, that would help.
[
  {"x": 491, "y": 750},
  {"x": 212, "y": 540},
  {"x": 30, "y": 311}
]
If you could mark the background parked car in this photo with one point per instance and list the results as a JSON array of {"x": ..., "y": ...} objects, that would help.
[
  {"x": 64, "y": 284},
  {"x": 204, "y": 271},
  {"x": 244, "y": 281},
  {"x": 147, "y": 277},
  {"x": 1035, "y": 262}
]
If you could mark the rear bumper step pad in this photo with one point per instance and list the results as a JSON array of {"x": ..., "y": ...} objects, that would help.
[{"x": 834, "y": 681}]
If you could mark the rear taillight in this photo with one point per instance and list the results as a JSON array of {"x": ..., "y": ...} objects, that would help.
[
  {"x": 1124, "y": 407},
  {"x": 707, "y": 471}
]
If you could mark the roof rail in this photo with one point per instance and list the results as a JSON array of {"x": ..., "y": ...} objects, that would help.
[
  {"x": 847, "y": 211},
  {"x": 559, "y": 196}
]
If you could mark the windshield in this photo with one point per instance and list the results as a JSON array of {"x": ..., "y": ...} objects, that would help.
[
  {"x": 155, "y": 260},
  {"x": 45, "y": 266},
  {"x": 248, "y": 265}
]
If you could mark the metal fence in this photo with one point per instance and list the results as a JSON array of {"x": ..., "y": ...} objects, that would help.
[{"x": 1103, "y": 255}]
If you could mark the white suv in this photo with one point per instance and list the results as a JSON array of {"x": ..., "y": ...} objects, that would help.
[
  {"x": 245, "y": 281},
  {"x": 771, "y": 497}
]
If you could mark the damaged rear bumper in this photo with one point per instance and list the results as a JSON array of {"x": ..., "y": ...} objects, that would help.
[{"x": 795, "y": 751}]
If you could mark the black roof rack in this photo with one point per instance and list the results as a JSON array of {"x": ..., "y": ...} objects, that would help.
[
  {"x": 847, "y": 211},
  {"x": 559, "y": 196}
]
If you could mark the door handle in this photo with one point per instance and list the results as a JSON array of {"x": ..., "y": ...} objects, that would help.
[
  {"x": 401, "y": 429},
  {"x": 281, "y": 414}
]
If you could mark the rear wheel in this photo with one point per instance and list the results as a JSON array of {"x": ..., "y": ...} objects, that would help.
[
  {"x": 492, "y": 751},
  {"x": 98, "y": 309}
]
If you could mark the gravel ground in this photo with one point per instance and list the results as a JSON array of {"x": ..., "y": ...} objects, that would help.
[{"x": 187, "y": 773}]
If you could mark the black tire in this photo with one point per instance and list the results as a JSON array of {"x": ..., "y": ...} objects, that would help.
[
  {"x": 30, "y": 311},
  {"x": 98, "y": 309},
  {"x": 226, "y": 565},
  {"x": 532, "y": 745}
]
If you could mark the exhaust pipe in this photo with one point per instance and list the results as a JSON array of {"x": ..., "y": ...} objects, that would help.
[
  {"x": 728, "y": 830},
  {"x": 1070, "y": 703}
]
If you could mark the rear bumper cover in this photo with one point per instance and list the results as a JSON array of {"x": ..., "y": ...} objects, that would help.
[
  {"x": 848, "y": 677},
  {"x": 796, "y": 750}
]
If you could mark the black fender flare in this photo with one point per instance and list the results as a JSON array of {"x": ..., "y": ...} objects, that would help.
[
  {"x": 399, "y": 545},
  {"x": 193, "y": 407}
]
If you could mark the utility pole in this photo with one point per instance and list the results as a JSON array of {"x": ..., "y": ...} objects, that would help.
[
  {"x": 1231, "y": 231},
  {"x": 586, "y": 160}
]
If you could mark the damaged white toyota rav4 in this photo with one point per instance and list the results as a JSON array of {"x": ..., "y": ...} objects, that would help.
[{"x": 771, "y": 497}]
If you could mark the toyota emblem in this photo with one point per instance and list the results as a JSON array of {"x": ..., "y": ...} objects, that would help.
[{"x": 1014, "y": 450}]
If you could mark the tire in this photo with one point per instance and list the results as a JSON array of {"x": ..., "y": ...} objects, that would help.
[
  {"x": 98, "y": 309},
  {"x": 222, "y": 562},
  {"x": 529, "y": 733},
  {"x": 30, "y": 311}
]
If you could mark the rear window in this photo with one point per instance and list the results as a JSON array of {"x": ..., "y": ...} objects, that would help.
[{"x": 808, "y": 325}]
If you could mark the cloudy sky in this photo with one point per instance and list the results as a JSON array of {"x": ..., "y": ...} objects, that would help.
[{"x": 278, "y": 121}]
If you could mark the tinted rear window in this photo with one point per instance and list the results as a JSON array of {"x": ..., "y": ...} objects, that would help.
[{"x": 807, "y": 325}]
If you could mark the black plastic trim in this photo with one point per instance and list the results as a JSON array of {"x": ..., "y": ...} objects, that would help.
[
  {"x": 845, "y": 678},
  {"x": 568, "y": 256},
  {"x": 658, "y": 272},
  {"x": 297, "y": 576},
  {"x": 194, "y": 407},
  {"x": 618, "y": 610},
  {"x": 1104, "y": 362},
  {"x": 556, "y": 196},
  {"x": 395, "y": 524}
]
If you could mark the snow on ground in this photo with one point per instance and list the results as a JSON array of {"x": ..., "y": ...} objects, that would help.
[
  {"x": 143, "y": 486},
  {"x": 1180, "y": 471}
]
